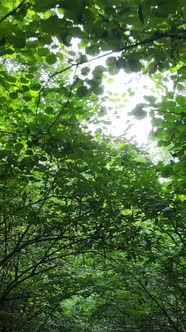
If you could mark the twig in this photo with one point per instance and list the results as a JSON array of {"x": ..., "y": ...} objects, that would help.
[
  {"x": 12, "y": 12},
  {"x": 66, "y": 103},
  {"x": 156, "y": 36}
]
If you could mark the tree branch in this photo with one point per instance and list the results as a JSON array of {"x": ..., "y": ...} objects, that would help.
[
  {"x": 13, "y": 11},
  {"x": 157, "y": 36}
]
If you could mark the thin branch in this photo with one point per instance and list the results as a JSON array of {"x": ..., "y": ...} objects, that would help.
[
  {"x": 31, "y": 275},
  {"x": 32, "y": 270},
  {"x": 28, "y": 319},
  {"x": 156, "y": 36},
  {"x": 146, "y": 41},
  {"x": 150, "y": 295},
  {"x": 160, "y": 306},
  {"x": 13, "y": 11},
  {"x": 66, "y": 103},
  {"x": 44, "y": 238}
]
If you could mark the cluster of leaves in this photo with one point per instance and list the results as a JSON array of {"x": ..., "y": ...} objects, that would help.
[{"x": 90, "y": 239}]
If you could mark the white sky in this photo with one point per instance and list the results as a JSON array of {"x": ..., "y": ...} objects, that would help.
[
  {"x": 139, "y": 128},
  {"x": 117, "y": 121}
]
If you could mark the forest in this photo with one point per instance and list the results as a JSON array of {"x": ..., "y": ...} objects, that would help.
[{"x": 92, "y": 227}]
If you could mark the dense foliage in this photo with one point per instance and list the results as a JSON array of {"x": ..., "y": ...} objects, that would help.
[{"x": 92, "y": 233}]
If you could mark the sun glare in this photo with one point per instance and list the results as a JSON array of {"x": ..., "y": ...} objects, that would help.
[
  {"x": 131, "y": 89},
  {"x": 124, "y": 92}
]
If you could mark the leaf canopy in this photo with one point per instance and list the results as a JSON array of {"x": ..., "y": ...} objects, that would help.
[{"x": 92, "y": 232}]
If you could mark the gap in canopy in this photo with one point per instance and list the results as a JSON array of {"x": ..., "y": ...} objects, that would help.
[
  {"x": 119, "y": 115},
  {"x": 122, "y": 92}
]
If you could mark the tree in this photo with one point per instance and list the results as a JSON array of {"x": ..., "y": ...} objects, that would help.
[{"x": 91, "y": 239}]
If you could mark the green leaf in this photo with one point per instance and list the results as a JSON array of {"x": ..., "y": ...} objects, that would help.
[
  {"x": 11, "y": 79},
  {"x": 82, "y": 91},
  {"x": 133, "y": 63},
  {"x": 49, "y": 109},
  {"x": 42, "y": 6},
  {"x": 73, "y": 10},
  {"x": 150, "y": 99},
  {"x": 35, "y": 87},
  {"x": 51, "y": 59},
  {"x": 92, "y": 50},
  {"x": 99, "y": 90},
  {"x": 111, "y": 61},
  {"x": 181, "y": 100},
  {"x": 85, "y": 71},
  {"x": 18, "y": 147},
  {"x": 13, "y": 95},
  {"x": 139, "y": 112},
  {"x": 120, "y": 63},
  {"x": 98, "y": 71},
  {"x": 43, "y": 51},
  {"x": 114, "y": 70},
  {"x": 18, "y": 39}
]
